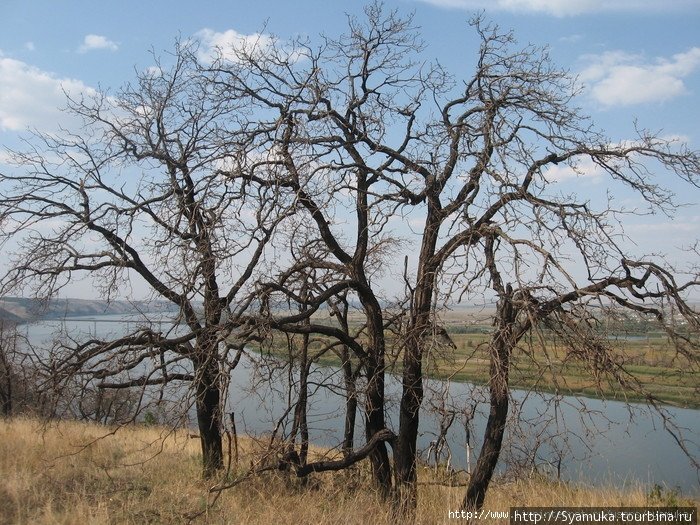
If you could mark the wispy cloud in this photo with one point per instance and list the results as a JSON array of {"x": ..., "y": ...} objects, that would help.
[
  {"x": 617, "y": 78},
  {"x": 688, "y": 226},
  {"x": 571, "y": 39},
  {"x": 565, "y": 7},
  {"x": 228, "y": 43},
  {"x": 30, "y": 97},
  {"x": 5, "y": 158},
  {"x": 583, "y": 169},
  {"x": 96, "y": 43}
]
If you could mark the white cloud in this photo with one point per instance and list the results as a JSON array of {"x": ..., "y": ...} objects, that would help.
[
  {"x": 690, "y": 225},
  {"x": 153, "y": 71},
  {"x": 30, "y": 97},
  {"x": 29, "y": 46},
  {"x": 229, "y": 42},
  {"x": 676, "y": 138},
  {"x": 564, "y": 7},
  {"x": 618, "y": 78},
  {"x": 5, "y": 158},
  {"x": 97, "y": 42},
  {"x": 571, "y": 39},
  {"x": 583, "y": 169}
]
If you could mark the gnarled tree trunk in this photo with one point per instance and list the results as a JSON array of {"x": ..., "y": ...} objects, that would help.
[
  {"x": 208, "y": 404},
  {"x": 501, "y": 347}
]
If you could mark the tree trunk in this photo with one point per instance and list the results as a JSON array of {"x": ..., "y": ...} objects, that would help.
[
  {"x": 5, "y": 388},
  {"x": 379, "y": 457},
  {"x": 6, "y": 376},
  {"x": 501, "y": 345},
  {"x": 349, "y": 379},
  {"x": 405, "y": 458},
  {"x": 374, "y": 396},
  {"x": 412, "y": 394},
  {"x": 208, "y": 405},
  {"x": 300, "y": 425},
  {"x": 350, "y": 404},
  {"x": 490, "y": 451}
]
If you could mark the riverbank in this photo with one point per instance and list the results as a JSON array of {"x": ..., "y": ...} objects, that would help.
[
  {"x": 661, "y": 372},
  {"x": 650, "y": 359},
  {"x": 71, "y": 472}
]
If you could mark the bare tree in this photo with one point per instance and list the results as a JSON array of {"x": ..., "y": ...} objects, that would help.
[
  {"x": 23, "y": 382},
  {"x": 329, "y": 287},
  {"x": 8, "y": 376},
  {"x": 361, "y": 124},
  {"x": 351, "y": 136},
  {"x": 576, "y": 316},
  {"x": 352, "y": 368},
  {"x": 307, "y": 97},
  {"x": 134, "y": 199}
]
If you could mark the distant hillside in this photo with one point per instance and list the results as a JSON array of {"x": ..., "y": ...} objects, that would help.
[
  {"x": 19, "y": 309},
  {"x": 9, "y": 316}
]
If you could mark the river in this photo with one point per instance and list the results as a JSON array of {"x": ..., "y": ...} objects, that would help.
[{"x": 577, "y": 439}]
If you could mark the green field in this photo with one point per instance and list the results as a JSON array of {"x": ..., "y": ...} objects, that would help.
[
  {"x": 648, "y": 362},
  {"x": 653, "y": 363}
]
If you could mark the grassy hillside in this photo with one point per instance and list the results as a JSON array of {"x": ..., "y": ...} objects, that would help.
[
  {"x": 8, "y": 316},
  {"x": 24, "y": 309},
  {"x": 76, "y": 473}
]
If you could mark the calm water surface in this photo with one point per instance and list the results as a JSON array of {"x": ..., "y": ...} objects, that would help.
[{"x": 576, "y": 438}]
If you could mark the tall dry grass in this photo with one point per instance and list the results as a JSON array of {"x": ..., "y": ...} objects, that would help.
[{"x": 76, "y": 473}]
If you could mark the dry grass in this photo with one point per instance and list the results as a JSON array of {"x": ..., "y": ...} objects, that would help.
[{"x": 70, "y": 472}]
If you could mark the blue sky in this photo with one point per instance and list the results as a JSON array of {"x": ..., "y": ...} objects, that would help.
[{"x": 639, "y": 59}]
